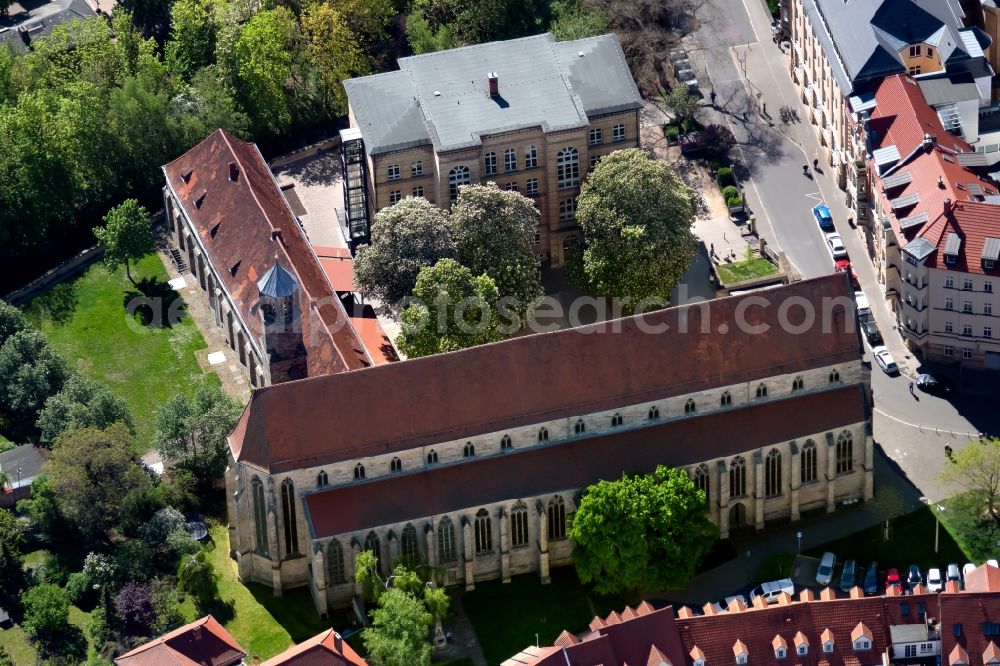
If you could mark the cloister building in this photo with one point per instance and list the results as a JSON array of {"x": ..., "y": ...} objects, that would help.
[{"x": 472, "y": 462}]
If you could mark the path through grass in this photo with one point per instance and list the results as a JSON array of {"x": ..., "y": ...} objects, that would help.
[{"x": 142, "y": 363}]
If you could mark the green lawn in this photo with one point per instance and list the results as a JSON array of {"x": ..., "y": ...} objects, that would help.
[
  {"x": 251, "y": 624},
  {"x": 912, "y": 542},
  {"x": 506, "y": 616},
  {"x": 16, "y": 643},
  {"x": 746, "y": 270},
  {"x": 977, "y": 536},
  {"x": 143, "y": 363}
]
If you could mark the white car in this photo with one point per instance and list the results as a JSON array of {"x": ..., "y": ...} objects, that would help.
[
  {"x": 835, "y": 244},
  {"x": 824, "y": 574},
  {"x": 885, "y": 360},
  {"x": 864, "y": 309},
  {"x": 772, "y": 590},
  {"x": 934, "y": 582},
  {"x": 967, "y": 569},
  {"x": 993, "y": 563}
]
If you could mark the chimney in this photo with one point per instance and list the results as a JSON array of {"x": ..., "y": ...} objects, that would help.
[
  {"x": 941, "y": 182},
  {"x": 275, "y": 235},
  {"x": 494, "y": 84},
  {"x": 947, "y": 205},
  {"x": 234, "y": 171},
  {"x": 929, "y": 141}
]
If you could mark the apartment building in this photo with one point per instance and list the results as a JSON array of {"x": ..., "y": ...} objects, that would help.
[
  {"x": 533, "y": 115},
  {"x": 842, "y": 49},
  {"x": 954, "y": 627},
  {"x": 936, "y": 241}
]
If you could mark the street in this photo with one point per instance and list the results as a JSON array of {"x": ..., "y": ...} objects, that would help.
[{"x": 736, "y": 57}]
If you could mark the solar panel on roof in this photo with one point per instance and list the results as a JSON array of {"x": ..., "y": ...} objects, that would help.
[
  {"x": 953, "y": 243},
  {"x": 912, "y": 220},
  {"x": 905, "y": 202},
  {"x": 895, "y": 180}
]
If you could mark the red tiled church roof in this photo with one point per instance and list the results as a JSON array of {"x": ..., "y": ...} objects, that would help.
[
  {"x": 244, "y": 223},
  {"x": 204, "y": 642},
  {"x": 546, "y": 469},
  {"x": 543, "y": 377}
]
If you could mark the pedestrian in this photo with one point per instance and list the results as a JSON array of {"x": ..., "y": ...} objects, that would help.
[
  {"x": 711, "y": 96},
  {"x": 815, "y": 163},
  {"x": 911, "y": 389},
  {"x": 805, "y": 169},
  {"x": 711, "y": 250},
  {"x": 947, "y": 450}
]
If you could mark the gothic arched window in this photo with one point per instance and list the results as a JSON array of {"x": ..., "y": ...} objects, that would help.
[
  {"x": 373, "y": 544},
  {"x": 408, "y": 545},
  {"x": 432, "y": 457},
  {"x": 690, "y": 407},
  {"x": 259, "y": 515},
  {"x": 654, "y": 413},
  {"x": 580, "y": 427},
  {"x": 469, "y": 450},
  {"x": 519, "y": 524},
  {"x": 807, "y": 461},
  {"x": 484, "y": 532},
  {"x": 738, "y": 477},
  {"x": 506, "y": 444},
  {"x": 557, "y": 518},
  {"x": 772, "y": 474},
  {"x": 726, "y": 400},
  {"x": 845, "y": 452},
  {"x": 322, "y": 479},
  {"x": 543, "y": 434},
  {"x": 288, "y": 516},
  {"x": 446, "y": 540},
  {"x": 701, "y": 480},
  {"x": 359, "y": 472},
  {"x": 395, "y": 465},
  {"x": 762, "y": 390},
  {"x": 335, "y": 571}
]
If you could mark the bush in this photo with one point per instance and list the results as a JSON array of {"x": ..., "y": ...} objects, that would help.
[
  {"x": 671, "y": 132},
  {"x": 724, "y": 176},
  {"x": 730, "y": 191},
  {"x": 54, "y": 570},
  {"x": 734, "y": 201},
  {"x": 134, "y": 606},
  {"x": 80, "y": 590},
  {"x": 133, "y": 561},
  {"x": 162, "y": 523},
  {"x": 180, "y": 543},
  {"x": 46, "y": 611},
  {"x": 776, "y": 567}
]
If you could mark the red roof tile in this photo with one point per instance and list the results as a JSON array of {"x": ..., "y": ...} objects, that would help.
[
  {"x": 657, "y": 658},
  {"x": 203, "y": 642},
  {"x": 246, "y": 226},
  {"x": 958, "y": 657},
  {"x": 340, "y": 273},
  {"x": 325, "y": 649},
  {"x": 902, "y": 117},
  {"x": 577, "y": 463},
  {"x": 970, "y": 611},
  {"x": 497, "y": 386}
]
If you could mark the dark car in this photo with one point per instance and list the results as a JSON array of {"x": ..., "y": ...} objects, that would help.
[
  {"x": 871, "y": 579},
  {"x": 870, "y": 329},
  {"x": 914, "y": 576},
  {"x": 934, "y": 385},
  {"x": 849, "y": 575}
]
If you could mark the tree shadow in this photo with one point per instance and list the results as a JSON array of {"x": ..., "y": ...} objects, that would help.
[
  {"x": 321, "y": 169},
  {"x": 154, "y": 303},
  {"x": 56, "y": 304}
]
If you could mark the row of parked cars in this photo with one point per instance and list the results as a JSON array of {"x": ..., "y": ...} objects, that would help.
[{"x": 868, "y": 578}]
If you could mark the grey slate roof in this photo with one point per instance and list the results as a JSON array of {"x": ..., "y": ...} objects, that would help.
[
  {"x": 41, "y": 20},
  {"x": 442, "y": 98},
  {"x": 947, "y": 89},
  {"x": 277, "y": 282},
  {"x": 860, "y": 37}
]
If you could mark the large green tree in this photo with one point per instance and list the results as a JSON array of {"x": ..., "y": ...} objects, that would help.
[
  {"x": 82, "y": 403},
  {"x": 12, "y": 579},
  {"x": 636, "y": 217},
  {"x": 191, "y": 430},
  {"x": 680, "y": 103},
  {"x": 977, "y": 469},
  {"x": 93, "y": 473},
  {"x": 30, "y": 372},
  {"x": 127, "y": 235},
  {"x": 262, "y": 59},
  {"x": 334, "y": 51},
  {"x": 192, "y": 36},
  {"x": 398, "y": 635},
  {"x": 46, "y": 611},
  {"x": 405, "y": 238},
  {"x": 493, "y": 230},
  {"x": 646, "y": 532},
  {"x": 452, "y": 309}
]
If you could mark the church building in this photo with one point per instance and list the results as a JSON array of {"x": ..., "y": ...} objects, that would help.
[{"x": 472, "y": 462}]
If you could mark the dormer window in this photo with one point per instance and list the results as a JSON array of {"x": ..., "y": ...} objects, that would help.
[
  {"x": 802, "y": 650},
  {"x": 862, "y": 644},
  {"x": 828, "y": 647},
  {"x": 779, "y": 653},
  {"x": 950, "y": 259},
  {"x": 741, "y": 658},
  {"x": 699, "y": 662}
]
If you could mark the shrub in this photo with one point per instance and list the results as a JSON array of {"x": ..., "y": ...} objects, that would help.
[
  {"x": 54, "y": 570},
  {"x": 734, "y": 201},
  {"x": 134, "y": 605},
  {"x": 776, "y": 567},
  {"x": 79, "y": 588},
  {"x": 724, "y": 176},
  {"x": 46, "y": 611},
  {"x": 162, "y": 523},
  {"x": 671, "y": 132},
  {"x": 730, "y": 191},
  {"x": 180, "y": 543},
  {"x": 134, "y": 561}
]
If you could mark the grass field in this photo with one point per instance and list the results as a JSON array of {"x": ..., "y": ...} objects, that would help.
[
  {"x": 506, "y": 616},
  {"x": 746, "y": 270},
  {"x": 143, "y": 363},
  {"x": 911, "y": 542}
]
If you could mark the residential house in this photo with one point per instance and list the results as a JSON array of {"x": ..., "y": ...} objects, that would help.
[
  {"x": 203, "y": 642},
  {"x": 325, "y": 649},
  {"x": 533, "y": 115},
  {"x": 491, "y": 445}
]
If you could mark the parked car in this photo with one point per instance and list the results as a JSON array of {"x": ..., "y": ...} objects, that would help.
[
  {"x": 835, "y": 244},
  {"x": 683, "y": 63},
  {"x": 688, "y": 78},
  {"x": 736, "y": 597},
  {"x": 967, "y": 569},
  {"x": 871, "y": 579},
  {"x": 861, "y": 301},
  {"x": 823, "y": 217},
  {"x": 848, "y": 577},
  {"x": 934, "y": 385},
  {"x": 934, "y": 580},
  {"x": 914, "y": 576},
  {"x": 824, "y": 574},
  {"x": 872, "y": 334},
  {"x": 772, "y": 590},
  {"x": 993, "y": 563},
  {"x": 892, "y": 579},
  {"x": 678, "y": 54},
  {"x": 844, "y": 266},
  {"x": 954, "y": 574},
  {"x": 885, "y": 360}
]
